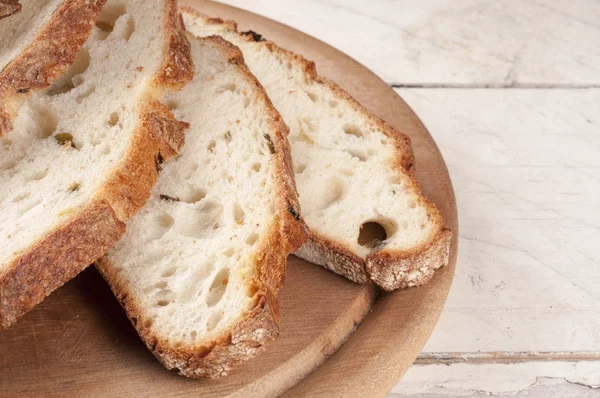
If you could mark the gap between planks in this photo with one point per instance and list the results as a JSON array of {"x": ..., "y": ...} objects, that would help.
[
  {"x": 505, "y": 357},
  {"x": 530, "y": 86}
]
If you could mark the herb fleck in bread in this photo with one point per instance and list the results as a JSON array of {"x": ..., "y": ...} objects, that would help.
[
  {"x": 37, "y": 45},
  {"x": 200, "y": 266},
  {"x": 361, "y": 202},
  {"x": 83, "y": 156}
]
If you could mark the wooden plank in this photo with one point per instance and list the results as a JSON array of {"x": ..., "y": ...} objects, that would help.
[
  {"x": 456, "y": 42},
  {"x": 526, "y": 166},
  {"x": 546, "y": 379}
]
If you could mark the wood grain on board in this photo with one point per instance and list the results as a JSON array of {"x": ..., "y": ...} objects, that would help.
[{"x": 79, "y": 342}]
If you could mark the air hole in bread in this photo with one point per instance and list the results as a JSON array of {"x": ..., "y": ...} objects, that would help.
[
  {"x": 238, "y": 214},
  {"x": 422, "y": 226},
  {"x": 246, "y": 102},
  {"x": 313, "y": 97},
  {"x": 333, "y": 103},
  {"x": 372, "y": 234},
  {"x": 160, "y": 285},
  {"x": 213, "y": 321},
  {"x": 288, "y": 65},
  {"x": 347, "y": 172},
  {"x": 38, "y": 175},
  {"x": 412, "y": 203},
  {"x": 226, "y": 87},
  {"x": 359, "y": 154},
  {"x": 163, "y": 303},
  {"x": 211, "y": 146},
  {"x": 108, "y": 18},
  {"x": 128, "y": 29},
  {"x": 105, "y": 149},
  {"x": 299, "y": 169},
  {"x": 252, "y": 239},
  {"x": 229, "y": 252},
  {"x": 227, "y": 136},
  {"x": 311, "y": 124},
  {"x": 172, "y": 104},
  {"x": 194, "y": 195},
  {"x": 331, "y": 193},
  {"x": 352, "y": 129},
  {"x": 113, "y": 119},
  {"x": 46, "y": 120},
  {"x": 218, "y": 287},
  {"x": 20, "y": 197},
  {"x": 161, "y": 225},
  {"x": 193, "y": 335},
  {"x": 256, "y": 167},
  {"x": 72, "y": 77},
  {"x": 85, "y": 93},
  {"x": 9, "y": 164},
  {"x": 169, "y": 272}
]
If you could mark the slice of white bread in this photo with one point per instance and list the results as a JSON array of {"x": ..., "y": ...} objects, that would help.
[
  {"x": 9, "y": 7},
  {"x": 200, "y": 265},
  {"x": 37, "y": 45},
  {"x": 359, "y": 197},
  {"x": 83, "y": 156}
]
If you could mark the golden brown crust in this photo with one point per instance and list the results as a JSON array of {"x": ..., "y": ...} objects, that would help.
[
  {"x": 60, "y": 256},
  {"x": 287, "y": 232},
  {"x": 49, "y": 55},
  {"x": 390, "y": 266},
  {"x": 158, "y": 136},
  {"x": 177, "y": 67},
  {"x": 9, "y": 7}
]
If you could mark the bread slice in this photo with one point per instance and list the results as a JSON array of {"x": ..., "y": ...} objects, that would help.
[
  {"x": 9, "y": 7},
  {"x": 200, "y": 265},
  {"x": 83, "y": 156},
  {"x": 359, "y": 197},
  {"x": 37, "y": 45}
]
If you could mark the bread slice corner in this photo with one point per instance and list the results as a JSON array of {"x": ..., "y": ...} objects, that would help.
[
  {"x": 353, "y": 170},
  {"x": 37, "y": 45}
]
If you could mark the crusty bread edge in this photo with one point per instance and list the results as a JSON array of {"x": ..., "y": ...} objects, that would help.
[
  {"x": 9, "y": 7},
  {"x": 385, "y": 267},
  {"x": 246, "y": 337},
  {"x": 89, "y": 232},
  {"x": 50, "y": 54}
]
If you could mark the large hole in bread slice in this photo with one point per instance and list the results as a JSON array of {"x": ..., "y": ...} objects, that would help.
[
  {"x": 372, "y": 234},
  {"x": 108, "y": 17},
  {"x": 72, "y": 77},
  {"x": 218, "y": 287}
]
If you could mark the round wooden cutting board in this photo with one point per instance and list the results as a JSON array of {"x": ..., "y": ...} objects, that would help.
[{"x": 78, "y": 342}]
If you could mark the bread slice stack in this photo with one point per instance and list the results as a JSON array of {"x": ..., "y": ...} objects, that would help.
[
  {"x": 193, "y": 238},
  {"x": 359, "y": 197},
  {"x": 83, "y": 155},
  {"x": 200, "y": 266},
  {"x": 37, "y": 45}
]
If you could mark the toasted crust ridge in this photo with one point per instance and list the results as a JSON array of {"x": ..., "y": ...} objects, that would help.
[
  {"x": 49, "y": 55},
  {"x": 385, "y": 267}
]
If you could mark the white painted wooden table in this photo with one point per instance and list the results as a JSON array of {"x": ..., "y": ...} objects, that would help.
[{"x": 510, "y": 90}]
